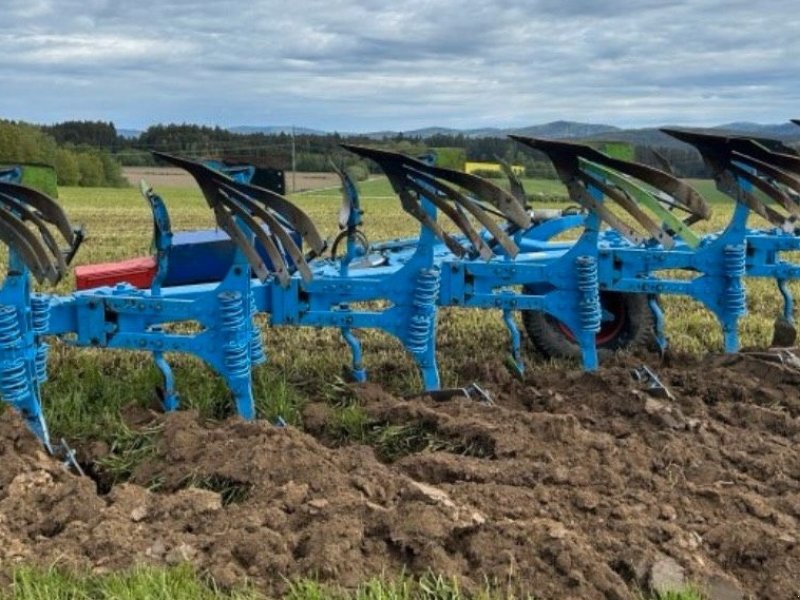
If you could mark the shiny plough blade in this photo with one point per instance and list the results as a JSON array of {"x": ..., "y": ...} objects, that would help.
[
  {"x": 349, "y": 210},
  {"x": 414, "y": 180},
  {"x": 649, "y": 195},
  {"x": 28, "y": 219},
  {"x": 264, "y": 213},
  {"x": 752, "y": 172}
]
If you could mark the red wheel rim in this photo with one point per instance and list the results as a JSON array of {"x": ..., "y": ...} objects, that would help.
[{"x": 613, "y": 304}]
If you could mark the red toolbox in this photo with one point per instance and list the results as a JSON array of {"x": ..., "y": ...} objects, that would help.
[{"x": 139, "y": 272}]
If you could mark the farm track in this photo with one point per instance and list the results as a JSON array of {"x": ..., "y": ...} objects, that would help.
[{"x": 574, "y": 485}]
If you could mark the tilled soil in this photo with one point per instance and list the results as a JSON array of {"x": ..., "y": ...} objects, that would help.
[{"x": 570, "y": 485}]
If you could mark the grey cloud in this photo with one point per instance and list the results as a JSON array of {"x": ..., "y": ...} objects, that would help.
[{"x": 368, "y": 64}]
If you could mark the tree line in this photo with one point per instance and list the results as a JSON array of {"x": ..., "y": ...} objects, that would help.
[
  {"x": 315, "y": 152},
  {"x": 90, "y": 153},
  {"x": 75, "y": 162}
]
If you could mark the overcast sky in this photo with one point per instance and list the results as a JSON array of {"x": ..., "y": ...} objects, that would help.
[{"x": 364, "y": 65}]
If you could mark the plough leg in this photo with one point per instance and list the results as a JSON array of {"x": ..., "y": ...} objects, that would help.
[
  {"x": 429, "y": 370},
  {"x": 586, "y": 339},
  {"x": 357, "y": 371},
  {"x": 170, "y": 399},
  {"x": 785, "y": 332},
  {"x": 788, "y": 301},
  {"x": 516, "y": 354},
  {"x": 658, "y": 322}
]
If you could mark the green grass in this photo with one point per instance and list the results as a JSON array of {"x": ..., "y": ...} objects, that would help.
[{"x": 182, "y": 583}]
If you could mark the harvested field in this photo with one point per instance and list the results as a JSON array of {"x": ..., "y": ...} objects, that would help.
[
  {"x": 571, "y": 485},
  {"x": 173, "y": 177}
]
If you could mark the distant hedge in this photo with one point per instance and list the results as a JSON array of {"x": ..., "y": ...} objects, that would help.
[
  {"x": 21, "y": 143},
  {"x": 40, "y": 177}
]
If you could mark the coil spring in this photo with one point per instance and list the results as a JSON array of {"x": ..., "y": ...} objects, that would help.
[
  {"x": 40, "y": 313},
  {"x": 419, "y": 332},
  {"x": 14, "y": 383},
  {"x": 231, "y": 310},
  {"x": 257, "y": 355},
  {"x": 237, "y": 359},
  {"x": 734, "y": 265},
  {"x": 589, "y": 307},
  {"x": 734, "y": 260},
  {"x": 42, "y": 352},
  {"x": 9, "y": 327},
  {"x": 420, "y": 326},
  {"x": 427, "y": 289}
]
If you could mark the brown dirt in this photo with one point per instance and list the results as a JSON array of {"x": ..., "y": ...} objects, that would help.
[{"x": 572, "y": 485}]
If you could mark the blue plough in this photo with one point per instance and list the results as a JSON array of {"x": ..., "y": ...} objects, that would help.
[{"x": 631, "y": 243}]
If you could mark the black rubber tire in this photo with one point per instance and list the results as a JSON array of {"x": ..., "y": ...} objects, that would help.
[{"x": 636, "y": 329}]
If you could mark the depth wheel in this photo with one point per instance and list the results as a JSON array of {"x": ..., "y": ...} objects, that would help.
[{"x": 627, "y": 324}]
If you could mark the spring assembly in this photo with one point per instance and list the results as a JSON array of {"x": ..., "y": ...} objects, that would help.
[
  {"x": 9, "y": 327},
  {"x": 42, "y": 351},
  {"x": 427, "y": 289},
  {"x": 589, "y": 306},
  {"x": 257, "y": 355},
  {"x": 420, "y": 327},
  {"x": 419, "y": 332},
  {"x": 14, "y": 382},
  {"x": 734, "y": 264},
  {"x": 231, "y": 310},
  {"x": 237, "y": 359},
  {"x": 40, "y": 313},
  {"x": 734, "y": 260}
]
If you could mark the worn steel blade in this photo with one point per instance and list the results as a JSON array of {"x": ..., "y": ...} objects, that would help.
[
  {"x": 620, "y": 196},
  {"x": 279, "y": 266},
  {"x": 349, "y": 193},
  {"x": 765, "y": 187},
  {"x": 511, "y": 208},
  {"x": 655, "y": 204},
  {"x": 277, "y": 230},
  {"x": 476, "y": 210},
  {"x": 23, "y": 211},
  {"x": 459, "y": 218},
  {"x": 566, "y": 161},
  {"x": 228, "y": 224},
  {"x": 688, "y": 198},
  {"x": 50, "y": 210},
  {"x": 33, "y": 253},
  {"x": 786, "y": 162},
  {"x": 210, "y": 180},
  {"x": 718, "y": 151},
  {"x": 392, "y": 164},
  {"x": 515, "y": 185}
]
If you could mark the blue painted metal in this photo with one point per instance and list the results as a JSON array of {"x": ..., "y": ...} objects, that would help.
[
  {"x": 11, "y": 174},
  {"x": 206, "y": 255}
]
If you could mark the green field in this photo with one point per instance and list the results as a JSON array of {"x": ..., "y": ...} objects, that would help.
[{"x": 87, "y": 388}]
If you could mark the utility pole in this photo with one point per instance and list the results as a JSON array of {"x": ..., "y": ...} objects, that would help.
[{"x": 294, "y": 164}]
